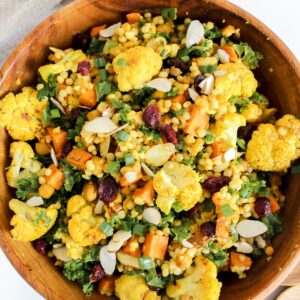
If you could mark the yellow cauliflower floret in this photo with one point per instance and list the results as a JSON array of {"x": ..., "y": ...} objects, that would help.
[
  {"x": 83, "y": 225},
  {"x": 237, "y": 81},
  {"x": 199, "y": 282},
  {"x": 273, "y": 148},
  {"x": 136, "y": 66},
  {"x": 134, "y": 288},
  {"x": 177, "y": 181},
  {"x": 69, "y": 61},
  {"x": 252, "y": 113},
  {"x": 165, "y": 203},
  {"x": 74, "y": 250},
  {"x": 227, "y": 126},
  {"x": 291, "y": 125},
  {"x": 22, "y": 158},
  {"x": 21, "y": 114},
  {"x": 30, "y": 223}
]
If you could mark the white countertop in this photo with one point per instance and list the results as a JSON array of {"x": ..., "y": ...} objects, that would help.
[{"x": 284, "y": 21}]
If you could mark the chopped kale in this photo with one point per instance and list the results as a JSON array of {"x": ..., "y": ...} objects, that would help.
[
  {"x": 96, "y": 46},
  {"x": 27, "y": 187},
  {"x": 274, "y": 224},
  {"x": 216, "y": 254},
  {"x": 155, "y": 136},
  {"x": 246, "y": 53},
  {"x": 72, "y": 176},
  {"x": 50, "y": 88},
  {"x": 143, "y": 96}
]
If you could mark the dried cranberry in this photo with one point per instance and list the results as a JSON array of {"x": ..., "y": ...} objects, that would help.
[
  {"x": 151, "y": 116},
  {"x": 108, "y": 189},
  {"x": 180, "y": 64},
  {"x": 197, "y": 80},
  {"x": 81, "y": 41},
  {"x": 192, "y": 212},
  {"x": 75, "y": 114},
  {"x": 245, "y": 132},
  {"x": 67, "y": 148},
  {"x": 107, "y": 58},
  {"x": 168, "y": 131},
  {"x": 208, "y": 229},
  {"x": 98, "y": 273},
  {"x": 262, "y": 206},
  {"x": 84, "y": 67},
  {"x": 215, "y": 183},
  {"x": 41, "y": 246}
]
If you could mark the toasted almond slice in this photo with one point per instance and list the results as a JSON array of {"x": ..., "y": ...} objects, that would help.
[
  {"x": 109, "y": 31},
  {"x": 53, "y": 156},
  {"x": 230, "y": 154},
  {"x": 193, "y": 94},
  {"x": 98, "y": 207},
  {"x": 35, "y": 201},
  {"x": 121, "y": 236},
  {"x": 108, "y": 260},
  {"x": 152, "y": 215},
  {"x": 260, "y": 242},
  {"x": 187, "y": 244},
  {"x": 194, "y": 34},
  {"x": 160, "y": 84},
  {"x": 128, "y": 260},
  {"x": 131, "y": 176},
  {"x": 61, "y": 253},
  {"x": 159, "y": 154},
  {"x": 219, "y": 73},
  {"x": 117, "y": 130},
  {"x": 147, "y": 170},
  {"x": 57, "y": 246},
  {"x": 223, "y": 55},
  {"x": 113, "y": 247},
  {"x": 207, "y": 85},
  {"x": 58, "y": 105},
  {"x": 100, "y": 125},
  {"x": 243, "y": 247},
  {"x": 251, "y": 228}
]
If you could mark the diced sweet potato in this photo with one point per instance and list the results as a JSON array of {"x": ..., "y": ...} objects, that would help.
[
  {"x": 198, "y": 120},
  {"x": 56, "y": 178},
  {"x": 132, "y": 247},
  {"x": 95, "y": 30},
  {"x": 89, "y": 98},
  {"x": 155, "y": 245},
  {"x": 59, "y": 140},
  {"x": 274, "y": 204},
  {"x": 133, "y": 17},
  {"x": 222, "y": 228},
  {"x": 106, "y": 285},
  {"x": 217, "y": 149},
  {"x": 78, "y": 158},
  {"x": 146, "y": 193},
  {"x": 230, "y": 51},
  {"x": 240, "y": 260},
  {"x": 179, "y": 99}
]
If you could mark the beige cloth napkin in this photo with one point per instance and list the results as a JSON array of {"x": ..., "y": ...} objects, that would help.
[{"x": 19, "y": 17}]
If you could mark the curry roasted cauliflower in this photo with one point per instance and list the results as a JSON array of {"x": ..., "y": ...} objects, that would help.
[
  {"x": 134, "y": 288},
  {"x": 238, "y": 80},
  {"x": 180, "y": 182},
  {"x": 83, "y": 225},
  {"x": 21, "y": 114},
  {"x": 30, "y": 223},
  {"x": 22, "y": 164},
  {"x": 199, "y": 282},
  {"x": 135, "y": 67},
  {"x": 275, "y": 147}
]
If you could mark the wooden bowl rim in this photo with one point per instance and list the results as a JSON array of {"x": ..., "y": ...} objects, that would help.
[{"x": 43, "y": 26}]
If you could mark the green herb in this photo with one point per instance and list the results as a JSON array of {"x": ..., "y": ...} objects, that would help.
[
  {"x": 128, "y": 223},
  {"x": 106, "y": 228},
  {"x": 142, "y": 96},
  {"x": 142, "y": 22},
  {"x": 72, "y": 133},
  {"x": 212, "y": 33},
  {"x": 122, "y": 136},
  {"x": 43, "y": 218},
  {"x": 155, "y": 136},
  {"x": 196, "y": 51},
  {"x": 99, "y": 62},
  {"x": 146, "y": 263},
  {"x": 102, "y": 75},
  {"x": 113, "y": 167},
  {"x": 216, "y": 254},
  {"x": 259, "y": 99},
  {"x": 241, "y": 143},
  {"x": 139, "y": 229},
  {"x": 46, "y": 115},
  {"x": 169, "y": 13},
  {"x": 209, "y": 137},
  {"x": 190, "y": 162},
  {"x": 240, "y": 104},
  {"x": 109, "y": 45},
  {"x": 177, "y": 207},
  {"x": 180, "y": 146},
  {"x": 295, "y": 168},
  {"x": 226, "y": 210},
  {"x": 55, "y": 113},
  {"x": 181, "y": 232},
  {"x": 50, "y": 88},
  {"x": 27, "y": 187},
  {"x": 274, "y": 224},
  {"x": 164, "y": 35},
  {"x": 248, "y": 56},
  {"x": 208, "y": 205},
  {"x": 129, "y": 159},
  {"x": 252, "y": 186},
  {"x": 103, "y": 89},
  {"x": 122, "y": 62},
  {"x": 124, "y": 110},
  {"x": 115, "y": 221},
  {"x": 163, "y": 53},
  {"x": 72, "y": 176},
  {"x": 96, "y": 46},
  {"x": 208, "y": 68},
  {"x": 174, "y": 92},
  {"x": 235, "y": 235}
]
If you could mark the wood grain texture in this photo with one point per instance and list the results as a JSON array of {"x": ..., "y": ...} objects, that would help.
[{"x": 279, "y": 75}]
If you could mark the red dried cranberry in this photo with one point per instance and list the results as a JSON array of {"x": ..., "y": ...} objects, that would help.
[
  {"x": 98, "y": 273},
  {"x": 180, "y": 64},
  {"x": 192, "y": 212},
  {"x": 81, "y": 41},
  {"x": 108, "y": 189},
  {"x": 41, "y": 246},
  {"x": 262, "y": 206},
  {"x": 67, "y": 148},
  {"x": 208, "y": 229},
  {"x": 84, "y": 67},
  {"x": 197, "y": 80},
  {"x": 107, "y": 58},
  {"x": 168, "y": 131},
  {"x": 245, "y": 132},
  {"x": 215, "y": 183},
  {"x": 151, "y": 116}
]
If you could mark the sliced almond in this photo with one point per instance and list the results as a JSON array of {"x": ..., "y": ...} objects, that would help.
[
  {"x": 53, "y": 156},
  {"x": 35, "y": 201},
  {"x": 251, "y": 228},
  {"x": 224, "y": 56},
  {"x": 131, "y": 176},
  {"x": 57, "y": 246},
  {"x": 207, "y": 84},
  {"x": 108, "y": 260},
  {"x": 147, "y": 170},
  {"x": 243, "y": 247},
  {"x": 121, "y": 236},
  {"x": 61, "y": 253},
  {"x": 230, "y": 154},
  {"x": 58, "y": 105},
  {"x": 194, "y": 34},
  {"x": 219, "y": 73},
  {"x": 104, "y": 146},
  {"x": 113, "y": 246},
  {"x": 128, "y": 260},
  {"x": 160, "y": 84},
  {"x": 260, "y": 242},
  {"x": 98, "y": 207},
  {"x": 159, "y": 154},
  {"x": 100, "y": 125},
  {"x": 118, "y": 129},
  {"x": 187, "y": 244},
  {"x": 109, "y": 31},
  {"x": 152, "y": 215},
  {"x": 108, "y": 112},
  {"x": 193, "y": 94}
]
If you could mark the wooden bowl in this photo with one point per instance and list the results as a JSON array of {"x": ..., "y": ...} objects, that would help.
[{"x": 279, "y": 75}]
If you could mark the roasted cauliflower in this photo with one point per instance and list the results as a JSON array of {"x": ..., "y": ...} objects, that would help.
[
  {"x": 22, "y": 163},
  {"x": 237, "y": 81},
  {"x": 21, "y": 114},
  {"x": 136, "y": 66},
  {"x": 226, "y": 128},
  {"x": 275, "y": 147},
  {"x": 83, "y": 225},
  {"x": 30, "y": 223},
  {"x": 134, "y": 288},
  {"x": 199, "y": 282},
  {"x": 180, "y": 182}
]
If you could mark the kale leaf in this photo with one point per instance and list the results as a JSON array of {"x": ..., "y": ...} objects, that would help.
[{"x": 27, "y": 187}]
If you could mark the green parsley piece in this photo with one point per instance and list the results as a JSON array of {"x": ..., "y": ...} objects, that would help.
[
  {"x": 27, "y": 187},
  {"x": 99, "y": 62},
  {"x": 122, "y": 136},
  {"x": 103, "y": 89},
  {"x": 106, "y": 228},
  {"x": 274, "y": 224},
  {"x": 169, "y": 13},
  {"x": 129, "y": 159},
  {"x": 226, "y": 210},
  {"x": 248, "y": 56},
  {"x": 55, "y": 113},
  {"x": 50, "y": 88},
  {"x": 113, "y": 167},
  {"x": 96, "y": 46}
]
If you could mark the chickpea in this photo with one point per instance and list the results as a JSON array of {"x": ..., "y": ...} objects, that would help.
[
  {"x": 90, "y": 191},
  {"x": 93, "y": 114},
  {"x": 46, "y": 190},
  {"x": 42, "y": 149}
]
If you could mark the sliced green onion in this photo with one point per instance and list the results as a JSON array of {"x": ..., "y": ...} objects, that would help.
[
  {"x": 129, "y": 160},
  {"x": 103, "y": 75},
  {"x": 54, "y": 113},
  {"x": 169, "y": 13},
  {"x": 106, "y": 228},
  {"x": 122, "y": 136},
  {"x": 113, "y": 167},
  {"x": 208, "y": 68},
  {"x": 146, "y": 263},
  {"x": 185, "y": 58},
  {"x": 139, "y": 229},
  {"x": 226, "y": 210},
  {"x": 99, "y": 62}
]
